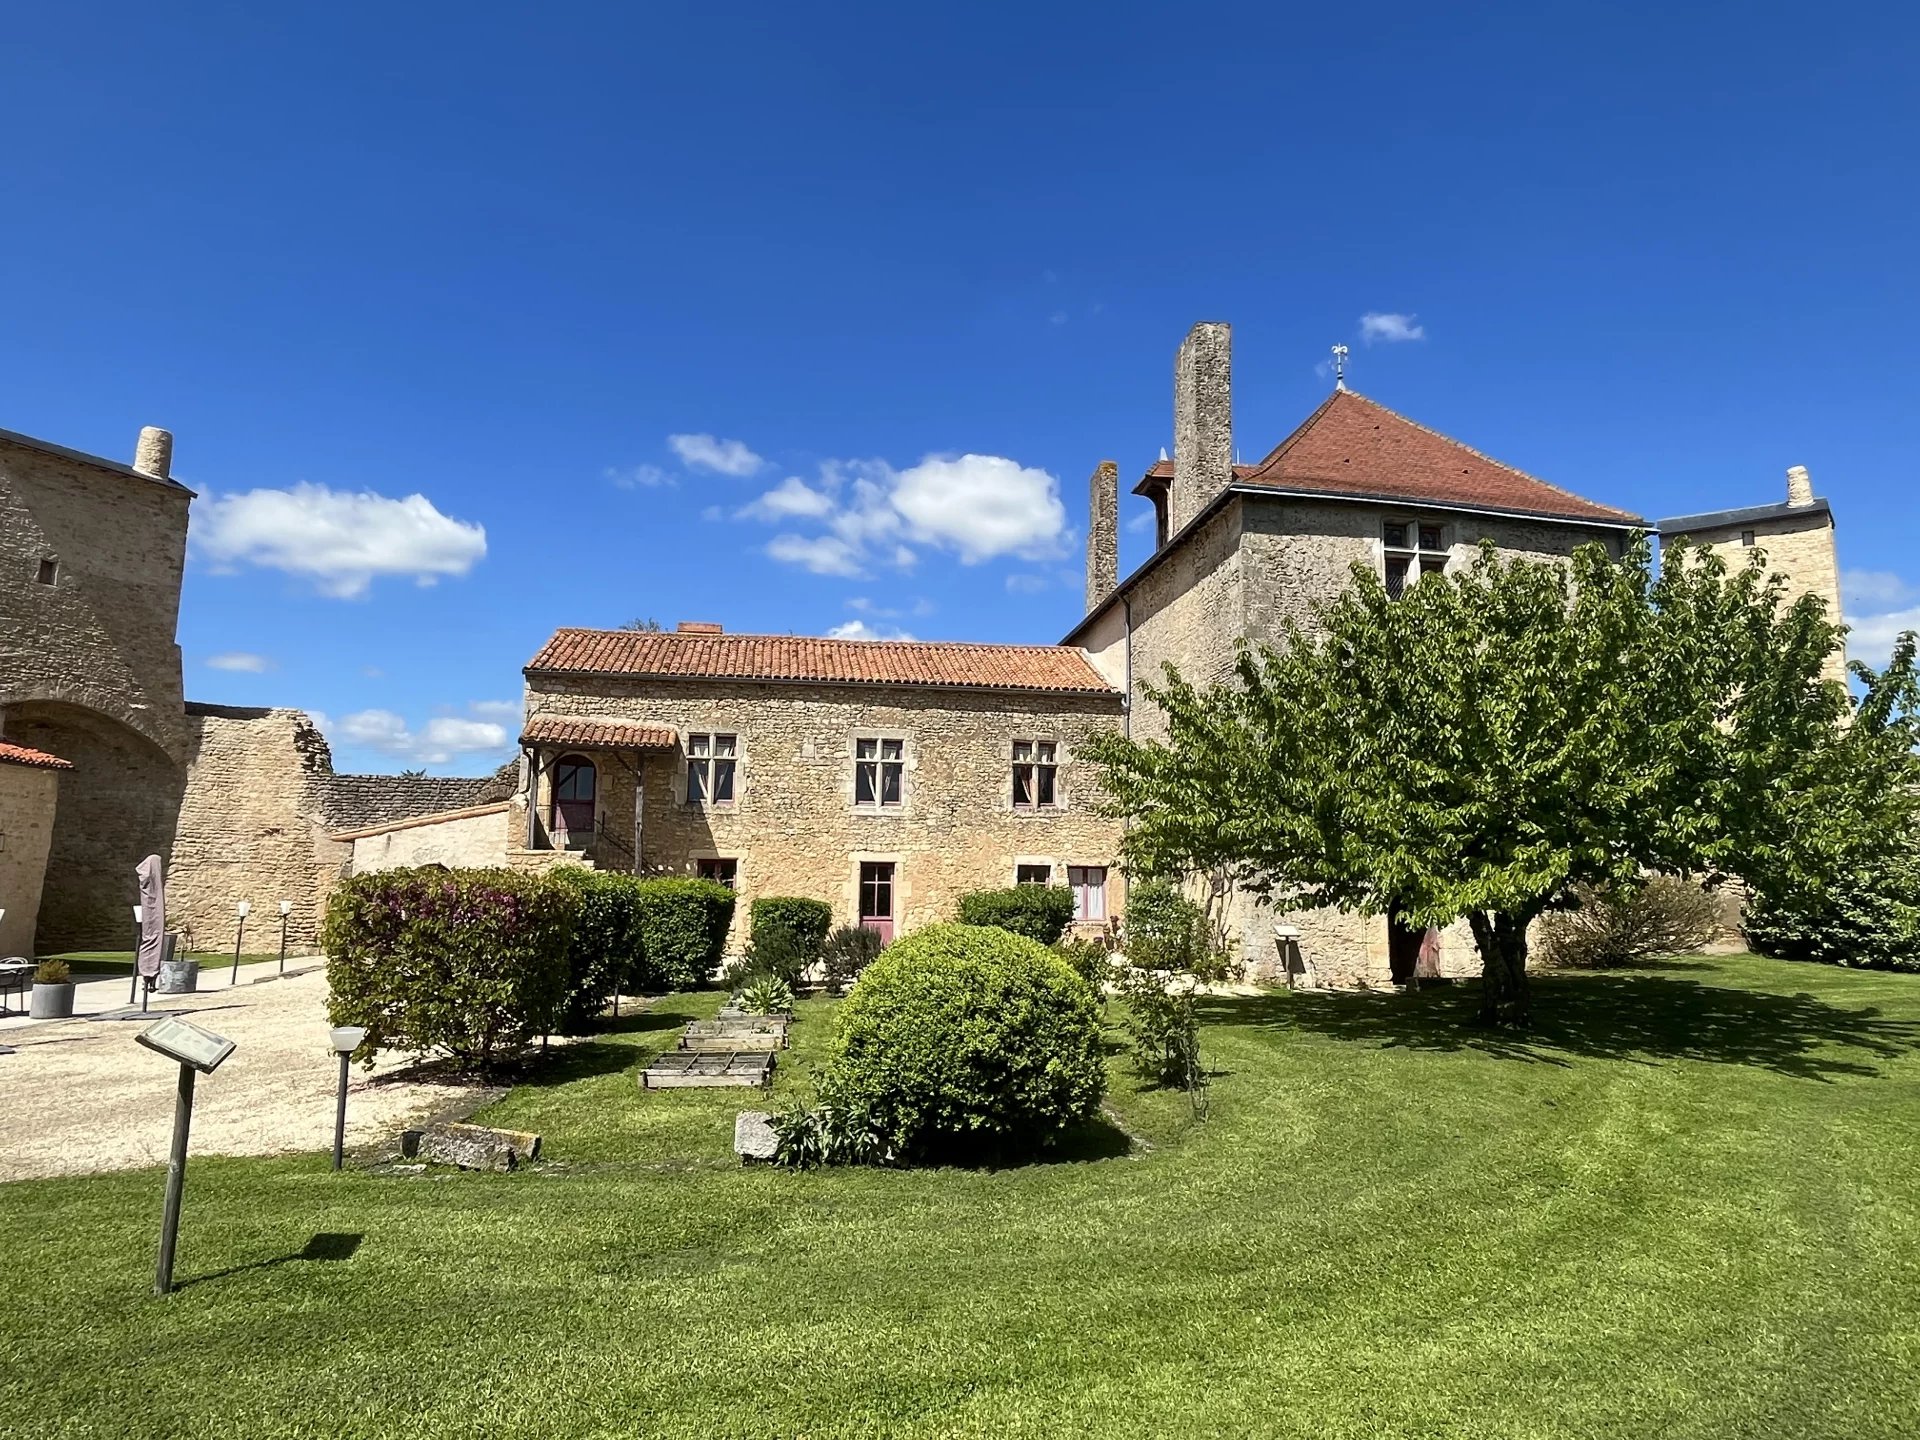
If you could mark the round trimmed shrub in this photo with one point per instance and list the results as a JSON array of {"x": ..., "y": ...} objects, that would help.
[{"x": 968, "y": 1043}]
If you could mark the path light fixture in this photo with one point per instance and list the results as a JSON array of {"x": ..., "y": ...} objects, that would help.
[
  {"x": 132, "y": 989},
  {"x": 345, "y": 1039},
  {"x": 239, "y": 930},
  {"x": 199, "y": 1052},
  {"x": 286, "y": 908}
]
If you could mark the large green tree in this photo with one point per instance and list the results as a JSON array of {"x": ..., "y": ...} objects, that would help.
[{"x": 1489, "y": 740}]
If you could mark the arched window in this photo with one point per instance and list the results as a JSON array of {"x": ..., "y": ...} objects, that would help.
[{"x": 573, "y": 782}]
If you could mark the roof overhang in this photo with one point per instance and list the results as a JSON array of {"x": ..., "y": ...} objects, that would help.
[
  {"x": 590, "y": 733},
  {"x": 1718, "y": 519}
]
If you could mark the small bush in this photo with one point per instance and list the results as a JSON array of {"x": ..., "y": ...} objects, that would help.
[
  {"x": 1039, "y": 912},
  {"x": 849, "y": 951},
  {"x": 52, "y": 972},
  {"x": 1625, "y": 925},
  {"x": 1091, "y": 960},
  {"x": 774, "y": 953},
  {"x": 1160, "y": 1023},
  {"x": 1868, "y": 918},
  {"x": 965, "y": 1042},
  {"x": 810, "y": 1136},
  {"x": 607, "y": 953},
  {"x": 683, "y": 931},
  {"x": 471, "y": 964},
  {"x": 766, "y": 995},
  {"x": 806, "y": 920}
]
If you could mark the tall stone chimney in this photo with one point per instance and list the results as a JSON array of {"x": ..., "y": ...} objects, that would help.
[
  {"x": 1103, "y": 533},
  {"x": 1799, "y": 487},
  {"x": 154, "y": 454},
  {"x": 1202, "y": 419}
]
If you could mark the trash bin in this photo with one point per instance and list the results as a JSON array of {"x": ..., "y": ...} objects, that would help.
[{"x": 178, "y": 977}]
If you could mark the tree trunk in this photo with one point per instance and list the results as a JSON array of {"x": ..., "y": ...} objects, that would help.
[{"x": 1502, "y": 940}]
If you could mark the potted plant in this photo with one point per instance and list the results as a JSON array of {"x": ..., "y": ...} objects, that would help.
[{"x": 52, "y": 991}]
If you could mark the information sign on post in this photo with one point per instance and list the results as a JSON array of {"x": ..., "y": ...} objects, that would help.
[{"x": 198, "y": 1052}]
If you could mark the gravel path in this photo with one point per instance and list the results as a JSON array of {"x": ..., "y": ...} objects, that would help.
[{"x": 83, "y": 1097}]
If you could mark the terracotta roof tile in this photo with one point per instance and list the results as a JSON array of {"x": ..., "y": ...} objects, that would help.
[
  {"x": 597, "y": 734},
  {"x": 21, "y": 755},
  {"x": 1355, "y": 446},
  {"x": 1053, "y": 668}
]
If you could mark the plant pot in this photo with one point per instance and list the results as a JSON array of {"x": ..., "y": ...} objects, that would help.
[
  {"x": 51, "y": 1002},
  {"x": 178, "y": 977}
]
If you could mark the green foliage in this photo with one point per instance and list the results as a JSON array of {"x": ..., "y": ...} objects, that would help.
[
  {"x": 774, "y": 953},
  {"x": 52, "y": 972},
  {"x": 683, "y": 931},
  {"x": 966, "y": 1042},
  {"x": 1091, "y": 960},
  {"x": 1843, "y": 886},
  {"x": 810, "y": 1136},
  {"x": 848, "y": 952},
  {"x": 807, "y": 921},
  {"x": 607, "y": 953},
  {"x": 1039, "y": 912},
  {"x": 471, "y": 964},
  {"x": 1617, "y": 925},
  {"x": 1160, "y": 1023},
  {"x": 766, "y": 995},
  {"x": 1490, "y": 740}
]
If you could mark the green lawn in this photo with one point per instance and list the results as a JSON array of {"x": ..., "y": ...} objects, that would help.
[
  {"x": 1688, "y": 1208},
  {"x": 94, "y": 964}
]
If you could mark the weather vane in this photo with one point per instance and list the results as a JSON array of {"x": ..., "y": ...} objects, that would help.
[{"x": 1339, "y": 367}]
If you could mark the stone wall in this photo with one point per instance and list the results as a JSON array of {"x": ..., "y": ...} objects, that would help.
[
  {"x": 1202, "y": 420},
  {"x": 1798, "y": 545},
  {"x": 251, "y": 827},
  {"x": 1103, "y": 533},
  {"x": 101, "y": 635},
  {"x": 27, "y": 797},
  {"x": 476, "y": 836},
  {"x": 794, "y": 828}
]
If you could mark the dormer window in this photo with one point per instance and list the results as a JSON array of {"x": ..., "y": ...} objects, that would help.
[{"x": 1413, "y": 548}]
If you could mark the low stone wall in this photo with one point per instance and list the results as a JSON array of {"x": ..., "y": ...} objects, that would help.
[
  {"x": 27, "y": 797},
  {"x": 475, "y": 836}
]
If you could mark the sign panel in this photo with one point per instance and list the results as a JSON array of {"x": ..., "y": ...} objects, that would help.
[{"x": 189, "y": 1044}]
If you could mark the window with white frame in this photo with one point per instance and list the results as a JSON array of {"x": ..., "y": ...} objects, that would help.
[
  {"x": 1033, "y": 875},
  {"x": 879, "y": 770},
  {"x": 1034, "y": 775},
  {"x": 711, "y": 758},
  {"x": 1414, "y": 548},
  {"x": 1089, "y": 886}
]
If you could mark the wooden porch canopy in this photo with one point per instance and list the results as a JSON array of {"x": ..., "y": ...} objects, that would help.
[{"x": 590, "y": 733}]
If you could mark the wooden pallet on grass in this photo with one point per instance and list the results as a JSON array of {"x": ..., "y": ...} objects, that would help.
[
  {"x": 684, "y": 1069},
  {"x": 734, "y": 1035}
]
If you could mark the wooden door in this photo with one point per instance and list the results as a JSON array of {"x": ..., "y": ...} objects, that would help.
[
  {"x": 876, "y": 898},
  {"x": 573, "y": 788}
]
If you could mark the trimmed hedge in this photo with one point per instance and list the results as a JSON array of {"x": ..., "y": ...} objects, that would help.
[
  {"x": 806, "y": 920},
  {"x": 1039, "y": 912},
  {"x": 683, "y": 931},
  {"x": 472, "y": 964},
  {"x": 607, "y": 953},
  {"x": 966, "y": 1042}
]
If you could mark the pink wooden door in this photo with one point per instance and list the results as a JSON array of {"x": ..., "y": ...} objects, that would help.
[
  {"x": 573, "y": 781},
  {"x": 876, "y": 898}
]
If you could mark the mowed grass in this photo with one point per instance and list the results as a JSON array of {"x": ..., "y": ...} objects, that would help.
[{"x": 1687, "y": 1207}]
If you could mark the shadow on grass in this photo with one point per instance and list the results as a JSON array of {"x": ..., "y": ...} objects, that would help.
[
  {"x": 1633, "y": 1016},
  {"x": 323, "y": 1247}
]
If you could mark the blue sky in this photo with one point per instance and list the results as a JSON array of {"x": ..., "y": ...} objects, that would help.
[{"x": 910, "y": 273}]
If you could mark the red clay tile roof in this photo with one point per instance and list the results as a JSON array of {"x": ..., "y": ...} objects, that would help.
[
  {"x": 1355, "y": 446},
  {"x": 1053, "y": 668},
  {"x": 21, "y": 755},
  {"x": 597, "y": 734}
]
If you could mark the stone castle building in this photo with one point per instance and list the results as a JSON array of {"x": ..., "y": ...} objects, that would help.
[{"x": 885, "y": 777}]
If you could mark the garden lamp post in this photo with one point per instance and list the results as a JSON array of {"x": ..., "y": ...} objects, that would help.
[
  {"x": 345, "y": 1039},
  {"x": 241, "y": 929},
  {"x": 138, "y": 915},
  {"x": 286, "y": 906}
]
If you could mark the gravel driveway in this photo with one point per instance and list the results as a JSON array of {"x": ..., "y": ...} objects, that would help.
[{"x": 84, "y": 1097}]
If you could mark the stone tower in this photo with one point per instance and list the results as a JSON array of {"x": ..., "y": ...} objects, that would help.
[{"x": 1796, "y": 537}]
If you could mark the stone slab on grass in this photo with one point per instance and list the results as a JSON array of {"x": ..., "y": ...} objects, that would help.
[
  {"x": 753, "y": 1137},
  {"x": 473, "y": 1147}
]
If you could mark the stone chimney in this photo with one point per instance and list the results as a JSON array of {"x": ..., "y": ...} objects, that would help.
[
  {"x": 1202, "y": 419},
  {"x": 1799, "y": 487},
  {"x": 699, "y": 627},
  {"x": 1103, "y": 533},
  {"x": 154, "y": 454}
]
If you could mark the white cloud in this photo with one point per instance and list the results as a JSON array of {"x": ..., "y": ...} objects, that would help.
[
  {"x": 982, "y": 506},
  {"x": 822, "y": 554},
  {"x": 1872, "y": 589},
  {"x": 338, "y": 539},
  {"x": 1871, "y": 637},
  {"x": 1026, "y": 584},
  {"x": 639, "y": 477},
  {"x": 442, "y": 739},
  {"x": 1390, "y": 329},
  {"x": 791, "y": 497},
  {"x": 240, "y": 660},
  {"x": 505, "y": 711},
  {"x": 1140, "y": 522},
  {"x": 707, "y": 452},
  {"x": 860, "y": 630}
]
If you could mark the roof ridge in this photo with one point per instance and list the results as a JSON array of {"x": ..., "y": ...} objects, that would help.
[
  {"x": 1478, "y": 454},
  {"x": 710, "y": 636},
  {"x": 1301, "y": 429}
]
